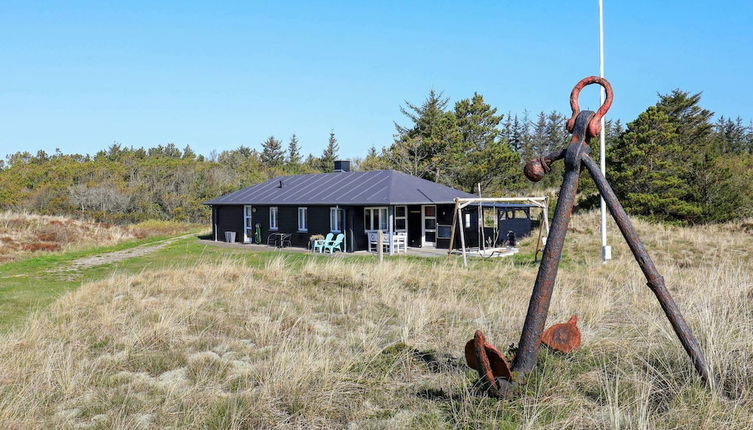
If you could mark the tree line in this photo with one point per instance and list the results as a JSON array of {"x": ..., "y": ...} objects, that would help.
[{"x": 673, "y": 163}]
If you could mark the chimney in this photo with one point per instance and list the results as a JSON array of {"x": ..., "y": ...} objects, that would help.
[{"x": 342, "y": 166}]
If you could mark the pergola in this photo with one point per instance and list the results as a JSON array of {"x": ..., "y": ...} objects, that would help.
[{"x": 461, "y": 203}]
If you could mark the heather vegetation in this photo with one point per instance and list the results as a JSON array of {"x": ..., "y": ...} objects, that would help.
[
  {"x": 23, "y": 235},
  {"x": 674, "y": 163}
]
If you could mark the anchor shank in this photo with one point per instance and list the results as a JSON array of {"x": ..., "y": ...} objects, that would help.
[
  {"x": 655, "y": 280},
  {"x": 538, "y": 307}
]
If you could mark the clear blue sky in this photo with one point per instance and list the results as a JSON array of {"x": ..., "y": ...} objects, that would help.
[{"x": 79, "y": 76}]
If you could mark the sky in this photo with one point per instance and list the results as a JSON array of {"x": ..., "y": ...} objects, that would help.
[{"x": 216, "y": 75}]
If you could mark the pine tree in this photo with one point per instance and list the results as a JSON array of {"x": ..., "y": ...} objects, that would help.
[
  {"x": 188, "y": 153},
  {"x": 481, "y": 155},
  {"x": 418, "y": 148},
  {"x": 272, "y": 154},
  {"x": 329, "y": 155},
  {"x": 659, "y": 166},
  {"x": 294, "y": 151}
]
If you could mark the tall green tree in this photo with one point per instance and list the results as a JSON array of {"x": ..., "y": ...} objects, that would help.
[
  {"x": 294, "y": 151},
  {"x": 657, "y": 166},
  {"x": 272, "y": 154},
  {"x": 329, "y": 155},
  {"x": 480, "y": 155},
  {"x": 420, "y": 146}
]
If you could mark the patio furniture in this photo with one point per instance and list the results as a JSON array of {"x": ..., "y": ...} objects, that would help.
[
  {"x": 284, "y": 240},
  {"x": 336, "y": 245},
  {"x": 319, "y": 244},
  {"x": 399, "y": 241},
  {"x": 372, "y": 235}
]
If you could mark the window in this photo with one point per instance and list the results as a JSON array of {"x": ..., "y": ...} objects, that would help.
[
  {"x": 336, "y": 219},
  {"x": 375, "y": 219},
  {"x": 248, "y": 226},
  {"x": 444, "y": 231},
  {"x": 490, "y": 220},
  {"x": 273, "y": 218},
  {"x": 303, "y": 219},
  {"x": 401, "y": 218}
]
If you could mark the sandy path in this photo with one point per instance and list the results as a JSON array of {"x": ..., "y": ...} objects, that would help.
[{"x": 115, "y": 256}]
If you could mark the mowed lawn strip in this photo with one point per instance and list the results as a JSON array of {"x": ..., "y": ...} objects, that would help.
[{"x": 33, "y": 283}]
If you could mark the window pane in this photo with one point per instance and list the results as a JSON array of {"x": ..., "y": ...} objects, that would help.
[
  {"x": 248, "y": 222},
  {"x": 367, "y": 219},
  {"x": 430, "y": 210},
  {"x": 341, "y": 219},
  {"x": 383, "y": 219},
  {"x": 431, "y": 236},
  {"x": 399, "y": 224},
  {"x": 400, "y": 211},
  {"x": 430, "y": 223}
]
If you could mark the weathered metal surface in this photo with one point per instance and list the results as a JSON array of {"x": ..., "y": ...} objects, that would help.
[
  {"x": 594, "y": 125},
  {"x": 564, "y": 337},
  {"x": 487, "y": 360},
  {"x": 654, "y": 280},
  {"x": 538, "y": 307},
  {"x": 583, "y": 125}
]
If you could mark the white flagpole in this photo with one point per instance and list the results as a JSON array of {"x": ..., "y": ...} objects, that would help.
[{"x": 606, "y": 250}]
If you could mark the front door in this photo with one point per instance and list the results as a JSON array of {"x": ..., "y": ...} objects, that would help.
[
  {"x": 415, "y": 230},
  {"x": 429, "y": 225},
  {"x": 248, "y": 227}
]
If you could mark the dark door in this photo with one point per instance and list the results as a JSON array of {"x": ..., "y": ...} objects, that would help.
[{"x": 414, "y": 226}]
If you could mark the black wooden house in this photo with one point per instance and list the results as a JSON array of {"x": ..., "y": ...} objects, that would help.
[{"x": 353, "y": 203}]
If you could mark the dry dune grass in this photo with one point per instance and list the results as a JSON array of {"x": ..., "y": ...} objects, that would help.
[
  {"x": 23, "y": 234},
  {"x": 334, "y": 344}
]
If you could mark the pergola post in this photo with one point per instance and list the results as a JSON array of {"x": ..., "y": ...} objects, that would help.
[{"x": 462, "y": 236}]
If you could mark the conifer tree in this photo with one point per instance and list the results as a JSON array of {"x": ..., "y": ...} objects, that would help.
[
  {"x": 294, "y": 151},
  {"x": 419, "y": 147},
  {"x": 272, "y": 154},
  {"x": 329, "y": 155},
  {"x": 657, "y": 165},
  {"x": 480, "y": 155}
]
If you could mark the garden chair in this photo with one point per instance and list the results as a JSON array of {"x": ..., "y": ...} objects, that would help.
[
  {"x": 321, "y": 243},
  {"x": 336, "y": 245}
]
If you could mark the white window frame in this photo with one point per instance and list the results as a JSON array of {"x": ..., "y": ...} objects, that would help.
[
  {"x": 303, "y": 222},
  {"x": 404, "y": 217},
  {"x": 336, "y": 218},
  {"x": 273, "y": 218},
  {"x": 248, "y": 224},
  {"x": 382, "y": 217}
]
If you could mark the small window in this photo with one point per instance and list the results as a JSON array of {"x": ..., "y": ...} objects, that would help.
[
  {"x": 273, "y": 218},
  {"x": 444, "y": 231},
  {"x": 383, "y": 219},
  {"x": 303, "y": 219},
  {"x": 375, "y": 219},
  {"x": 401, "y": 218},
  {"x": 336, "y": 219}
]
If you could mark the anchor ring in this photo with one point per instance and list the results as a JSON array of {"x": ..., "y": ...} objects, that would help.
[{"x": 594, "y": 125}]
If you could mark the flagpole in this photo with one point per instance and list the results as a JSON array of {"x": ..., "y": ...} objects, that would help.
[{"x": 606, "y": 250}]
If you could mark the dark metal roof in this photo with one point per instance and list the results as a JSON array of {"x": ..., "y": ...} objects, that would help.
[{"x": 377, "y": 187}]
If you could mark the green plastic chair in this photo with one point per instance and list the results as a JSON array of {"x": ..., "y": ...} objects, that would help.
[
  {"x": 321, "y": 243},
  {"x": 336, "y": 245}
]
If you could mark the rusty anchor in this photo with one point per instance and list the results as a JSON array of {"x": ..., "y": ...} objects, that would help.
[{"x": 583, "y": 125}]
